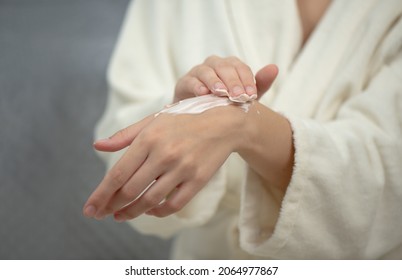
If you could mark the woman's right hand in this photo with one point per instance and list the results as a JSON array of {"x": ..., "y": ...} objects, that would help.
[{"x": 231, "y": 75}]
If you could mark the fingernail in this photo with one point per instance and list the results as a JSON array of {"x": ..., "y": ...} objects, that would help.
[
  {"x": 202, "y": 90},
  {"x": 119, "y": 217},
  {"x": 90, "y": 211},
  {"x": 237, "y": 90},
  {"x": 221, "y": 92},
  {"x": 102, "y": 141},
  {"x": 149, "y": 212},
  {"x": 251, "y": 90},
  {"x": 100, "y": 215},
  {"x": 219, "y": 85}
]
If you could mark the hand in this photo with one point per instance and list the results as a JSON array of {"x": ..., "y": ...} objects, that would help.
[
  {"x": 177, "y": 154},
  {"x": 230, "y": 74}
]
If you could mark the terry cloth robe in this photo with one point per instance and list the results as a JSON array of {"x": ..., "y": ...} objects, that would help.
[{"x": 342, "y": 94}]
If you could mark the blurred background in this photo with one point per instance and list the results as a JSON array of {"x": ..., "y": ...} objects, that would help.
[{"x": 53, "y": 61}]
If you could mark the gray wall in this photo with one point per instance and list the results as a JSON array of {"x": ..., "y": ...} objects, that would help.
[{"x": 53, "y": 59}]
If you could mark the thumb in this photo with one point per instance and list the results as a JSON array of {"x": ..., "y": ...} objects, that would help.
[
  {"x": 122, "y": 138},
  {"x": 265, "y": 78}
]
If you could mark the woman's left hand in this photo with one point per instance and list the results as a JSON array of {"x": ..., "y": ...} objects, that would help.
[
  {"x": 177, "y": 154},
  {"x": 227, "y": 74}
]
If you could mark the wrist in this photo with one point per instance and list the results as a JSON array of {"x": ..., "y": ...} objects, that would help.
[
  {"x": 229, "y": 124},
  {"x": 267, "y": 145},
  {"x": 249, "y": 132}
]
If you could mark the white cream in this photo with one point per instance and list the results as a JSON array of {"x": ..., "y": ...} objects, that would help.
[
  {"x": 242, "y": 98},
  {"x": 199, "y": 104}
]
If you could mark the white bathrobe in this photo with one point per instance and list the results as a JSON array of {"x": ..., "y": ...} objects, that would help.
[{"x": 342, "y": 93}]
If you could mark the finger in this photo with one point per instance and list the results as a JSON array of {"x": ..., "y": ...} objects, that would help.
[
  {"x": 190, "y": 85},
  {"x": 236, "y": 75},
  {"x": 150, "y": 199},
  {"x": 209, "y": 77},
  {"x": 179, "y": 198},
  {"x": 265, "y": 77},
  {"x": 123, "y": 137},
  {"x": 228, "y": 74},
  {"x": 114, "y": 179},
  {"x": 142, "y": 180},
  {"x": 247, "y": 78}
]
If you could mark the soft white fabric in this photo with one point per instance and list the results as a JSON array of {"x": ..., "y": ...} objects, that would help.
[{"x": 342, "y": 93}]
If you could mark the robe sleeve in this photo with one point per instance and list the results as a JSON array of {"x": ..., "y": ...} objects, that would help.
[
  {"x": 344, "y": 200},
  {"x": 142, "y": 77}
]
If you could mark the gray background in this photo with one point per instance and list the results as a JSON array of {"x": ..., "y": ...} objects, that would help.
[{"x": 53, "y": 59}]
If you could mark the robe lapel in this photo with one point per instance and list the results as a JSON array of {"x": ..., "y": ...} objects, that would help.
[{"x": 319, "y": 62}]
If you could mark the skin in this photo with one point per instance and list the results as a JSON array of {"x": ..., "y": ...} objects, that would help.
[
  {"x": 310, "y": 12},
  {"x": 171, "y": 149},
  {"x": 180, "y": 153}
]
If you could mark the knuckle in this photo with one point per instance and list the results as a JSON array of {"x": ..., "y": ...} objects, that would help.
[
  {"x": 128, "y": 194},
  {"x": 233, "y": 59},
  {"x": 225, "y": 67},
  {"x": 211, "y": 59},
  {"x": 233, "y": 81},
  {"x": 238, "y": 64},
  {"x": 150, "y": 137},
  {"x": 151, "y": 200},
  {"x": 169, "y": 158},
  {"x": 193, "y": 71},
  {"x": 188, "y": 165},
  {"x": 196, "y": 87},
  {"x": 222, "y": 64},
  {"x": 244, "y": 68},
  {"x": 203, "y": 70},
  {"x": 171, "y": 154},
  {"x": 236, "y": 61},
  {"x": 116, "y": 177},
  {"x": 173, "y": 207},
  {"x": 199, "y": 178}
]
